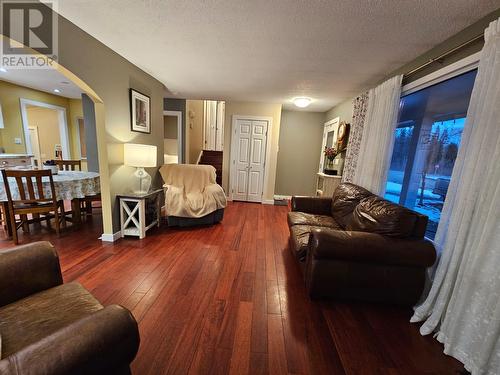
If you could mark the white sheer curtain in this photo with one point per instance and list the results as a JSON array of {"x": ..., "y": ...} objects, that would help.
[
  {"x": 463, "y": 305},
  {"x": 377, "y": 141}
]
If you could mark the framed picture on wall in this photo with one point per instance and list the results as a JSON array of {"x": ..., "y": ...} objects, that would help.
[{"x": 140, "y": 111}]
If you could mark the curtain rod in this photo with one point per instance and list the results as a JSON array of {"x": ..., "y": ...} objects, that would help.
[{"x": 443, "y": 55}]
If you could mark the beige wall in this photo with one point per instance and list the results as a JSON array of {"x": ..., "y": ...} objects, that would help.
[
  {"x": 10, "y": 94},
  {"x": 47, "y": 122},
  {"x": 170, "y": 127},
  {"x": 107, "y": 77},
  {"x": 301, "y": 135},
  {"x": 253, "y": 109},
  {"x": 194, "y": 108},
  {"x": 110, "y": 76},
  {"x": 343, "y": 110}
]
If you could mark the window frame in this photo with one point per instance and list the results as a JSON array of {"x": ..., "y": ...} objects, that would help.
[
  {"x": 453, "y": 70},
  {"x": 462, "y": 66}
]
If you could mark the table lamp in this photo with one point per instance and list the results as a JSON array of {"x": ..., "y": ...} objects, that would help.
[{"x": 140, "y": 156}]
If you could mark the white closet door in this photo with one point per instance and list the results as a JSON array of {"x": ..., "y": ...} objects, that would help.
[
  {"x": 257, "y": 161},
  {"x": 241, "y": 160},
  {"x": 249, "y": 147}
]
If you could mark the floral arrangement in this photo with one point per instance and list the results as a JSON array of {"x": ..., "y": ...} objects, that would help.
[{"x": 330, "y": 153}]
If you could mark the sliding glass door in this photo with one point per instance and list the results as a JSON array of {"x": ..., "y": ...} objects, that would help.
[{"x": 428, "y": 136}]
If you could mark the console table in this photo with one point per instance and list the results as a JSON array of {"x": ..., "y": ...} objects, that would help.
[
  {"x": 139, "y": 212},
  {"x": 326, "y": 184}
]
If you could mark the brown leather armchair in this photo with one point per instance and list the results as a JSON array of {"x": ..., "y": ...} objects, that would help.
[
  {"x": 358, "y": 246},
  {"x": 48, "y": 327}
]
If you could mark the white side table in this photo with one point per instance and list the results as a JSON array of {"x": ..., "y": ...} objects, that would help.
[{"x": 140, "y": 212}]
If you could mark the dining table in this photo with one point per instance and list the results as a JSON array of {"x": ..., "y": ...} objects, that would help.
[{"x": 69, "y": 186}]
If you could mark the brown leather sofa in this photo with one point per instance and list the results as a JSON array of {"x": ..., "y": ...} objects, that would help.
[
  {"x": 48, "y": 327},
  {"x": 358, "y": 246}
]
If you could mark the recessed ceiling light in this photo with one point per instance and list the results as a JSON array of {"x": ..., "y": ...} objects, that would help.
[
  {"x": 302, "y": 102},
  {"x": 3, "y": 70},
  {"x": 57, "y": 90}
]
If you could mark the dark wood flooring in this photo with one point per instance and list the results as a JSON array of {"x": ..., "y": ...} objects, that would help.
[{"x": 230, "y": 299}]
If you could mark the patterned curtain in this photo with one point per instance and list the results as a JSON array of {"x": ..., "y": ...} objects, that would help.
[{"x": 358, "y": 120}]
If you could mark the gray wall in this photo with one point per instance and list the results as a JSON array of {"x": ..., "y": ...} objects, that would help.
[
  {"x": 111, "y": 76},
  {"x": 301, "y": 135},
  {"x": 170, "y": 127},
  {"x": 178, "y": 105},
  {"x": 343, "y": 110}
]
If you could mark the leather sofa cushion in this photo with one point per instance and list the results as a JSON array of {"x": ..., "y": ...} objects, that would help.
[
  {"x": 345, "y": 199},
  {"x": 302, "y": 218},
  {"x": 377, "y": 215},
  {"x": 32, "y": 318}
]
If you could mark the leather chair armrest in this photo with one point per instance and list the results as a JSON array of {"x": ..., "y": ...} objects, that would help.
[
  {"x": 365, "y": 247},
  {"x": 97, "y": 344},
  {"x": 28, "y": 269},
  {"x": 312, "y": 205}
]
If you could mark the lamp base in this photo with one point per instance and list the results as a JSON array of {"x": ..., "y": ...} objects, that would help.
[{"x": 142, "y": 181}]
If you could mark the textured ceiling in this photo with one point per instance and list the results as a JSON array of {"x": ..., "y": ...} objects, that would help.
[{"x": 272, "y": 50}]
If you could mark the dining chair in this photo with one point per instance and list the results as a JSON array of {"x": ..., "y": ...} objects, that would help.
[
  {"x": 69, "y": 165},
  {"x": 32, "y": 199},
  {"x": 87, "y": 207}
]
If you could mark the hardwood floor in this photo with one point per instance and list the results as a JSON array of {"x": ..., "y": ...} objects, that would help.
[{"x": 229, "y": 299}]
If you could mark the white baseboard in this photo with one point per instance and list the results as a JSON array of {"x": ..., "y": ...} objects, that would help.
[
  {"x": 282, "y": 197},
  {"x": 110, "y": 237},
  {"x": 267, "y": 201}
]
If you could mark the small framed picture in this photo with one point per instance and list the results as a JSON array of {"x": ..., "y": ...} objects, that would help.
[{"x": 140, "y": 111}]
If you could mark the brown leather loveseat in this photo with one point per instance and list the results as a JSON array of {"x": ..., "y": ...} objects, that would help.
[
  {"x": 359, "y": 246},
  {"x": 47, "y": 327}
]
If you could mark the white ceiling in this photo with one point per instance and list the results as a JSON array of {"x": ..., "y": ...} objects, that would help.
[
  {"x": 272, "y": 50},
  {"x": 44, "y": 80}
]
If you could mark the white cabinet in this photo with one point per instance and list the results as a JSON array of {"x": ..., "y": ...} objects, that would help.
[
  {"x": 326, "y": 184},
  {"x": 213, "y": 125}
]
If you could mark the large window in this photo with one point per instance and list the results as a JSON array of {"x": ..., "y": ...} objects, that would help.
[{"x": 428, "y": 136}]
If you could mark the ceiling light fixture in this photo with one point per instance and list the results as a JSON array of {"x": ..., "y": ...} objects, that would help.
[
  {"x": 302, "y": 102},
  {"x": 57, "y": 90},
  {"x": 3, "y": 70}
]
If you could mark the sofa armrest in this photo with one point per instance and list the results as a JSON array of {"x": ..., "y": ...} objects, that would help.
[
  {"x": 28, "y": 269},
  {"x": 312, "y": 205},
  {"x": 97, "y": 344},
  {"x": 365, "y": 247}
]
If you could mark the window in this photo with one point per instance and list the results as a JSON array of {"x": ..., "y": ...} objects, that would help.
[{"x": 428, "y": 135}]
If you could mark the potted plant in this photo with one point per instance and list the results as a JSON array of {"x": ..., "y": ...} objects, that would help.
[
  {"x": 330, "y": 155},
  {"x": 50, "y": 164}
]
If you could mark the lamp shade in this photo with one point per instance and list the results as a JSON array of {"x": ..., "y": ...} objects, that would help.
[{"x": 136, "y": 155}]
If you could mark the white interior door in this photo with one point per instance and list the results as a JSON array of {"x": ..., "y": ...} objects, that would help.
[
  {"x": 35, "y": 144},
  {"x": 249, "y": 160}
]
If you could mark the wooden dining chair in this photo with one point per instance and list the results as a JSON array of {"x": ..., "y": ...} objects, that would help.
[
  {"x": 32, "y": 200},
  {"x": 69, "y": 165}
]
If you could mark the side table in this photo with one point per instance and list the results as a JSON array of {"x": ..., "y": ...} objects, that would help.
[{"x": 139, "y": 212}]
